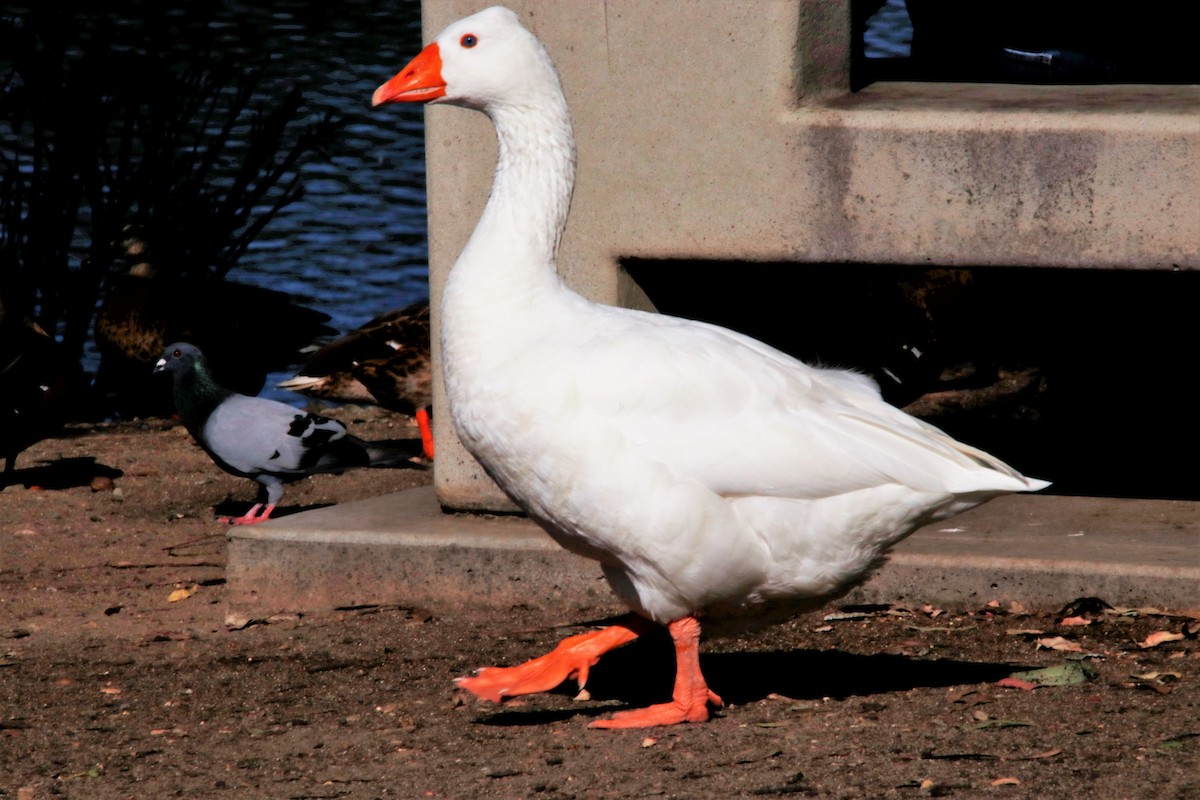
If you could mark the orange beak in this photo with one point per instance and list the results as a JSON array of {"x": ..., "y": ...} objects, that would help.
[{"x": 419, "y": 82}]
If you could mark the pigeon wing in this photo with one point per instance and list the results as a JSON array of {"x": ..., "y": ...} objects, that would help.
[{"x": 252, "y": 436}]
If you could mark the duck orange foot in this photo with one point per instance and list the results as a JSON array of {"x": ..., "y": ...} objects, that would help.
[
  {"x": 426, "y": 432},
  {"x": 691, "y": 697},
  {"x": 572, "y": 658}
]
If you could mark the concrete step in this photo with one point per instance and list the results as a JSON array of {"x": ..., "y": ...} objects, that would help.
[{"x": 1040, "y": 550}]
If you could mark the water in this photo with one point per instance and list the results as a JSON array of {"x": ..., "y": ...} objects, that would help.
[
  {"x": 889, "y": 32},
  {"x": 356, "y": 244}
]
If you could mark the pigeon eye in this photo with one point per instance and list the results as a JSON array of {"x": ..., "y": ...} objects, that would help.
[
  {"x": 468, "y": 40},
  {"x": 177, "y": 353}
]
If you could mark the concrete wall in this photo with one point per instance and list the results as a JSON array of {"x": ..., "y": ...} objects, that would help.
[{"x": 726, "y": 130}]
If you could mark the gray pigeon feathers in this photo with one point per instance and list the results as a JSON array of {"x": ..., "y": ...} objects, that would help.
[{"x": 264, "y": 440}]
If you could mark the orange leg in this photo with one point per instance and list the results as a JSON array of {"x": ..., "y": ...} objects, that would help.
[
  {"x": 249, "y": 517},
  {"x": 573, "y": 657},
  {"x": 691, "y": 697},
  {"x": 426, "y": 432}
]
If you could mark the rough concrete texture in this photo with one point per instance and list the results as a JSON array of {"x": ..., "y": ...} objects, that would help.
[
  {"x": 402, "y": 549},
  {"x": 726, "y": 131}
]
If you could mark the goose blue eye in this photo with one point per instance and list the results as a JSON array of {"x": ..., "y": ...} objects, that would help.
[{"x": 468, "y": 40}]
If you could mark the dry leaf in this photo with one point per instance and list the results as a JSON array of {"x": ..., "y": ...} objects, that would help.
[
  {"x": 1047, "y": 754},
  {"x": 181, "y": 594},
  {"x": 1066, "y": 674},
  {"x": 1059, "y": 643},
  {"x": 110, "y": 690},
  {"x": 1006, "y": 782},
  {"x": 1024, "y": 632},
  {"x": 957, "y": 695},
  {"x": 823, "y": 629},
  {"x": 1074, "y": 621},
  {"x": 1150, "y": 611},
  {"x": 237, "y": 621},
  {"x": 1159, "y": 637},
  {"x": 1017, "y": 683},
  {"x": 1001, "y": 723},
  {"x": 649, "y": 741},
  {"x": 1153, "y": 686},
  {"x": 973, "y": 698}
]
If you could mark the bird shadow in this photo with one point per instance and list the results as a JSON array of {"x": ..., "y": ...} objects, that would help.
[
  {"x": 409, "y": 452},
  {"x": 62, "y": 473},
  {"x": 642, "y": 673}
]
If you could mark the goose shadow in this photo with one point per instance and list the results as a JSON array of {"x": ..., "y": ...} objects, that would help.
[
  {"x": 642, "y": 673},
  {"x": 62, "y": 473}
]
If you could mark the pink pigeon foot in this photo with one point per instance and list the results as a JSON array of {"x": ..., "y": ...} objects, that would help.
[{"x": 249, "y": 517}]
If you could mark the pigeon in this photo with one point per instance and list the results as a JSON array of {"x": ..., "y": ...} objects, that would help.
[{"x": 264, "y": 440}]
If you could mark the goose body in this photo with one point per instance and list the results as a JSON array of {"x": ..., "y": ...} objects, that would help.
[{"x": 709, "y": 474}]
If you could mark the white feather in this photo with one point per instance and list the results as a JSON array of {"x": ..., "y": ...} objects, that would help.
[{"x": 707, "y": 472}]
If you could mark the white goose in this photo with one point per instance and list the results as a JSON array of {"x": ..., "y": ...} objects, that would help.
[{"x": 709, "y": 474}]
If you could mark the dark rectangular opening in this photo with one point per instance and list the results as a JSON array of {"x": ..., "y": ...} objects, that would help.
[
  {"x": 1082, "y": 377},
  {"x": 1023, "y": 41}
]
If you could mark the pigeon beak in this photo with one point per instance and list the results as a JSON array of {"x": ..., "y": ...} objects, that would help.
[
  {"x": 419, "y": 82},
  {"x": 160, "y": 365}
]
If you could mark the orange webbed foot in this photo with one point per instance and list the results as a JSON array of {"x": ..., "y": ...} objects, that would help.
[
  {"x": 572, "y": 658},
  {"x": 654, "y": 716},
  {"x": 691, "y": 697}
]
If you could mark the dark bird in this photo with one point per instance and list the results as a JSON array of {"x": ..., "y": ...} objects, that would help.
[
  {"x": 157, "y": 302},
  {"x": 385, "y": 362},
  {"x": 40, "y": 386},
  {"x": 264, "y": 440}
]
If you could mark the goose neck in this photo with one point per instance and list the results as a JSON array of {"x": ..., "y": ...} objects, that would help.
[{"x": 535, "y": 174}]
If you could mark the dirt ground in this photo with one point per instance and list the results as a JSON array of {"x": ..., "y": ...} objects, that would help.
[{"x": 120, "y": 679}]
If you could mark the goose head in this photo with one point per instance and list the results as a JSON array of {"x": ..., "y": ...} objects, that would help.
[{"x": 484, "y": 61}]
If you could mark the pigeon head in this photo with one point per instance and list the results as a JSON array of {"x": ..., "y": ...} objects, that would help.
[{"x": 179, "y": 358}]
